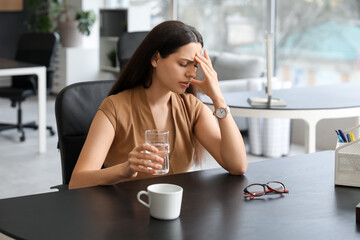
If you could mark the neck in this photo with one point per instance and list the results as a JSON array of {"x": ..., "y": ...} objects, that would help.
[{"x": 157, "y": 96}]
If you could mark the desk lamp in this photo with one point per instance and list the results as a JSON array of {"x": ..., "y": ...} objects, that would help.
[{"x": 268, "y": 100}]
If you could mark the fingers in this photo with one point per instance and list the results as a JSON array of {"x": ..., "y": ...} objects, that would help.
[
  {"x": 140, "y": 153},
  {"x": 206, "y": 54},
  {"x": 205, "y": 64},
  {"x": 207, "y": 70},
  {"x": 141, "y": 161},
  {"x": 146, "y": 147},
  {"x": 195, "y": 82},
  {"x": 144, "y": 166},
  {"x": 209, "y": 85},
  {"x": 205, "y": 59}
]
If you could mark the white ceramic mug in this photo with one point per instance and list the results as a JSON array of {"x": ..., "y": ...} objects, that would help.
[{"x": 164, "y": 200}]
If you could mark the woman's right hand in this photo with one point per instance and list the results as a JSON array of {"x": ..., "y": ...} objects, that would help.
[{"x": 141, "y": 161}]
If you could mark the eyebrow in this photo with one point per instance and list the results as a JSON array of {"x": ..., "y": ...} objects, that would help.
[{"x": 188, "y": 60}]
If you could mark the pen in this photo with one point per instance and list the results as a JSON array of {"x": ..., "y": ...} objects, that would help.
[
  {"x": 352, "y": 138},
  {"x": 340, "y": 139},
  {"x": 342, "y": 135},
  {"x": 348, "y": 137}
]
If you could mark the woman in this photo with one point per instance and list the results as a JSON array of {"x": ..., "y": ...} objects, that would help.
[{"x": 150, "y": 94}]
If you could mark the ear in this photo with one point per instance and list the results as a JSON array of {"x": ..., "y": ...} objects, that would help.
[{"x": 155, "y": 58}]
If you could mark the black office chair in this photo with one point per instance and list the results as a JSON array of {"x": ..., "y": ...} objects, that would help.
[
  {"x": 127, "y": 44},
  {"x": 36, "y": 48},
  {"x": 75, "y": 108}
]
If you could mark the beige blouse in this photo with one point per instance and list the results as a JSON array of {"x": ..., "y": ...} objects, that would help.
[{"x": 130, "y": 115}]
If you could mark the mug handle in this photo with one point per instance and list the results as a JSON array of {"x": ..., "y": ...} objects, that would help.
[{"x": 141, "y": 201}]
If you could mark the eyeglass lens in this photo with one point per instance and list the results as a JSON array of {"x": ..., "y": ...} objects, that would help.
[
  {"x": 276, "y": 186},
  {"x": 256, "y": 190}
]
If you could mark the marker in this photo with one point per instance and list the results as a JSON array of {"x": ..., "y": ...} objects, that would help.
[
  {"x": 342, "y": 135},
  {"x": 348, "y": 137},
  {"x": 340, "y": 139},
  {"x": 352, "y": 138}
]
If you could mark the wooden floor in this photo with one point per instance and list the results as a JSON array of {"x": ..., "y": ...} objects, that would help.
[{"x": 23, "y": 171}]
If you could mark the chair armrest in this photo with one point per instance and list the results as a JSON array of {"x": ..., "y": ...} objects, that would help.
[{"x": 61, "y": 187}]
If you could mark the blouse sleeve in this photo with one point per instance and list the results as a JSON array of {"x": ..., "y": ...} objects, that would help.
[
  {"x": 108, "y": 108},
  {"x": 194, "y": 107}
]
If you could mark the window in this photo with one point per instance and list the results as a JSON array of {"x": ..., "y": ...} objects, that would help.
[
  {"x": 316, "y": 40},
  {"x": 227, "y": 25}
]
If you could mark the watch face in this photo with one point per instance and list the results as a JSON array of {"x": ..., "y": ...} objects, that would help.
[{"x": 221, "y": 112}]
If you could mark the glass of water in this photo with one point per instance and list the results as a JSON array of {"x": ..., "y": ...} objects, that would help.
[{"x": 160, "y": 140}]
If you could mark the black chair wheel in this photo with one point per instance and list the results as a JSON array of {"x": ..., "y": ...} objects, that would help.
[{"x": 22, "y": 138}]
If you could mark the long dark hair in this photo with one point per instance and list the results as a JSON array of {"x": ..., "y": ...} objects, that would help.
[{"x": 166, "y": 38}]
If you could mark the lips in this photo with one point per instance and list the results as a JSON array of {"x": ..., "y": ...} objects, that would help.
[{"x": 185, "y": 84}]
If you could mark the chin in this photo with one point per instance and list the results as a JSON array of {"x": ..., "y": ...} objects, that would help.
[
  {"x": 183, "y": 91},
  {"x": 179, "y": 91}
]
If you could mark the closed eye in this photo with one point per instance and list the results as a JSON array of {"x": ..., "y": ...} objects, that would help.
[{"x": 196, "y": 65}]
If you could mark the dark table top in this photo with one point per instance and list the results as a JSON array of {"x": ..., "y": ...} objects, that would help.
[
  {"x": 7, "y": 63},
  {"x": 213, "y": 207},
  {"x": 344, "y": 95}
]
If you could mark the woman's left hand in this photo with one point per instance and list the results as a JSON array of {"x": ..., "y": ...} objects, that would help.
[{"x": 210, "y": 85}]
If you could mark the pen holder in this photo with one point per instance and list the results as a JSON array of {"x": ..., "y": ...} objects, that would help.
[{"x": 347, "y": 160}]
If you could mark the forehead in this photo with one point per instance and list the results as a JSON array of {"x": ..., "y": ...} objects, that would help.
[{"x": 188, "y": 51}]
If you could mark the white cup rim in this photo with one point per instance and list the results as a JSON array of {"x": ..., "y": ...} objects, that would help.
[{"x": 164, "y": 188}]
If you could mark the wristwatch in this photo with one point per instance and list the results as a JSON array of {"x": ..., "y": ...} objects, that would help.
[{"x": 221, "y": 112}]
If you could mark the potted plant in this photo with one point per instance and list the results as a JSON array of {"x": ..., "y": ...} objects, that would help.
[
  {"x": 112, "y": 57},
  {"x": 70, "y": 28},
  {"x": 58, "y": 15},
  {"x": 39, "y": 17}
]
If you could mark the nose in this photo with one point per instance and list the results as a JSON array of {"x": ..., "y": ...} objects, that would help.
[{"x": 191, "y": 71}]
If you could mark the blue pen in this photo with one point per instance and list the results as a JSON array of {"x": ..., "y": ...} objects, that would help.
[
  {"x": 348, "y": 137},
  {"x": 342, "y": 135},
  {"x": 340, "y": 139}
]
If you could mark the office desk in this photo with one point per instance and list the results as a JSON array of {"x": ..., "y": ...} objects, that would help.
[
  {"x": 310, "y": 104},
  {"x": 12, "y": 68},
  {"x": 213, "y": 207}
]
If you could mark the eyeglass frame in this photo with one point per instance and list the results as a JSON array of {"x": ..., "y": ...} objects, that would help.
[{"x": 252, "y": 195}]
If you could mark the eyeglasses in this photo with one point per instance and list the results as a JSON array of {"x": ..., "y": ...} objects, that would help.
[{"x": 258, "y": 190}]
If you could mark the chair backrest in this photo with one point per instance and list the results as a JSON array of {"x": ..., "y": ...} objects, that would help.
[
  {"x": 75, "y": 108},
  {"x": 127, "y": 44},
  {"x": 36, "y": 48}
]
